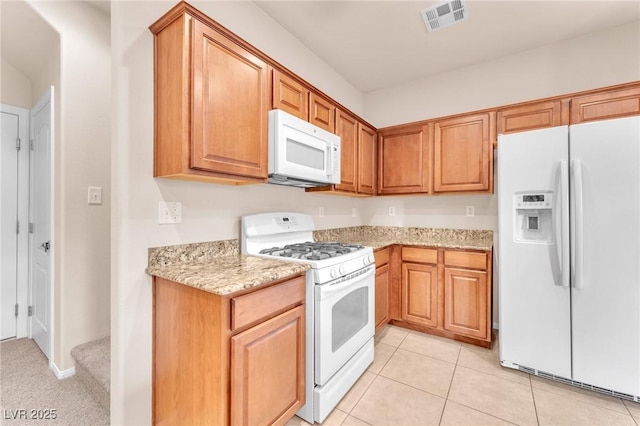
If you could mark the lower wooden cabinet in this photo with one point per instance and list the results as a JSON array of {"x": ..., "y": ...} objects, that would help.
[
  {"x": 420, "y": 294},
  {"x": 220, "y": 360},
  {"x": 445, "y": 292},
  {"x": 465, "y": 302},
  {"x": 267, "y": 370},
  {"x": 382, "y": 296}
]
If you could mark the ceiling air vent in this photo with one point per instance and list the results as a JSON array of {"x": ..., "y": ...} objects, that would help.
[{"x": 443, "y": 14}]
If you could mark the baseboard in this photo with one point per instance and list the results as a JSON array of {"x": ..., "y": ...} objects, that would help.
[
  {"x": 496, "y": 326},
  {"x": 62, "y": 374}
]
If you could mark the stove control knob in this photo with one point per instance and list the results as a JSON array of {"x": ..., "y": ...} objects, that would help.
[
  {"x": 341, "y": 269},
  {"x": 334, "y": 272},
  {"x": 365, "y": 260},
  {"x": 371, "y": 259}
]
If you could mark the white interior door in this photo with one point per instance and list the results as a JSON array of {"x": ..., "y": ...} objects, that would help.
[
  {"x": 8, "y": 224},
  {"x": 606, "y": 288},
  {"x": 533, "y": 274},
  {"x": 40, "y": 217}
]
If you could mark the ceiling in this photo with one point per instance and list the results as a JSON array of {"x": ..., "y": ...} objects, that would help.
[{"x": 379, "y": 44}]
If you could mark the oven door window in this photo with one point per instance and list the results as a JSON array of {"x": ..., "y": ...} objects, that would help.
[{"x": 349, "y": 315}]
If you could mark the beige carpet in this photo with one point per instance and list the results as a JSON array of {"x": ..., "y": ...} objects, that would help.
[{"x": 29, "y": 388}]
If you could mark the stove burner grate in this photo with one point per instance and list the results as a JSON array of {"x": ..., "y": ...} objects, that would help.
[{"x": 312, "y": 250}]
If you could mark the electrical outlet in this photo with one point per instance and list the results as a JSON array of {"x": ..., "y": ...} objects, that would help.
[
  {"x": 392, "y": 211},
  {"x": 321, "y": 212},
  {"x": 169, "y": 212},
  {"x": 94, "y": 195},
  {"x": 354, "y": 212},
  {"x": 471, "y": 211}
]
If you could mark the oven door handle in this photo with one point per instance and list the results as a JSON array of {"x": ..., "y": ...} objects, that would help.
[{"x": 327, "y": 290}]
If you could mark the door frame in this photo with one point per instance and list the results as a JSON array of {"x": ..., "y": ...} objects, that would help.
[
  {"x": 47, "y": 97},
  {"x": 22, "y": 322}
]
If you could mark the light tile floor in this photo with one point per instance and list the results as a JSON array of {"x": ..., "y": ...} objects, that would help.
[{"x": 418, "y": 379}]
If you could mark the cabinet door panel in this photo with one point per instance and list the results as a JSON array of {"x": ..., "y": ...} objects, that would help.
[
  {"x": 462, "y": 154},
  {"x": 268, "y": 356},
  {"x": 382, "y": 296},
  {"x": 533, "y": 116},
  {"x": 465, "y": 302},
  {"x": 367, "y": 164},
  {"x": 420, "y": 294},
  {"x": 605, "y": 105},
  {"x": 290, "y": 96},
  {"x": 322, "y": 112},
  {"x": 347, "y": 129},
  {"x": 403, "y": 161},
  {"x": 230, "y": 104}
]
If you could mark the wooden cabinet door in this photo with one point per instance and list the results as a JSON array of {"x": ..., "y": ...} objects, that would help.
[
  {"x": 322, "y": 113},
  {"x": 403, "y": 161},
  {"x": 533, "y": 116},
  {"x": 267, "y": 370},
  {"x": 367, "y": 164},
  {"x": 382, "y": 296},
  {"x": 605, "y": 105},
  {"x": 420, "y": 294},
  {"x": 290, "y": 96},
  {"x": 347, "y": 129},
  {"x": 463, "y": 153},
  {"x": 466, "y": 302},
  {"x": 231, "y": 93}
]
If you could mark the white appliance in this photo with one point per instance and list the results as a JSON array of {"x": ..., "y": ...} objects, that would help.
[
  {"x": 301, "y": 154},
  {"x": 569, "y": 254},
  {"x": 340, "y": 303}
]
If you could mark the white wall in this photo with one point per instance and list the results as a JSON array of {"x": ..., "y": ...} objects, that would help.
[
  {"x": 210, "y": 212},
  {"x": 15, "y": 88},
  {"x": 81, "y": 234}
]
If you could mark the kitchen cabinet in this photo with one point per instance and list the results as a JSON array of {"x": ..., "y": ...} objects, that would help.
[
  {"x": 606, "y": 104},
  {"x": 463, "y": 153},
  {"x": 290, "y": 95},
  {"x": 404, "y": 159},
  {"x": 532, "y": 115},
  {"x": 445, "y": 292},
  {"x": 420, "y": 286},
  {"x": 367, "y": 164},
  {"x": 322, "y": 112},
  {"x": 212, "y": 95},
  {"x": 382, "y": 287},
  {"x": 466, "y": 294},
  {"x": 236, "y": 359},
  {"x": 347, "y": 129}
]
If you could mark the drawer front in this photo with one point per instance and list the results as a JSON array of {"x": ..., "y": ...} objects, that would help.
[
  {"x": 466, "y": 259},
  {"x": 419, "y": 255},
  {"x": 264, "y": 303},
  {"x": 382, "y": 257}
]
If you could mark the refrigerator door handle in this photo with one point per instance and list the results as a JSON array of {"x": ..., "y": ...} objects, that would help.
[
  {"x": 578, "y": 234},
  {"x": 562, "y": 236}
]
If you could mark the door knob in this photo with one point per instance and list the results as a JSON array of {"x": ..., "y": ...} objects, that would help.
[{"x": 45, "y": 246}]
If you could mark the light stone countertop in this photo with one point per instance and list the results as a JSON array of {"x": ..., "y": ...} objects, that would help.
[{"x": 217, "y": 267}]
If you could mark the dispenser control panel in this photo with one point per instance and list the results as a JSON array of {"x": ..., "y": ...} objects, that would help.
[{"x": 533, "y": 201}]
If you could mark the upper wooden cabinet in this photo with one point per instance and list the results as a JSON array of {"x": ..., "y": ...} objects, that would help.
[
  {"x": 347, "y": 129},
  {"x": 463, "y": 154},
  {"x": 615, "y": 103},
  {"x": 367, "y": 165},
  {"x": 531, "y": 116},
  {"x": 212, "y": 95},
  {"x": 404, "y": 160},
  {"x": 322, "y": 112},
  {"x": 290, "y": 95}
]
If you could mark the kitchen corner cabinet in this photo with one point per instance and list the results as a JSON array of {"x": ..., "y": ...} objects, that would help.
[
  {"x": 463, "y": 153},
  {"x": 445, "y": 292},
  {"x": 212, "y": 95},
  {"x": 383, "y": 281},
  {"x": 404, "y": 159},
  {"x": 220, "y": 360}
]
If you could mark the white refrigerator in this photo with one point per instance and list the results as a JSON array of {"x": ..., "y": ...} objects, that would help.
[{"x": 569, "y": 254}]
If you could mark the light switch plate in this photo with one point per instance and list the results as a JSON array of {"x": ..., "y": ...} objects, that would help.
[
  {"x": 94, "y": 195},
  {"x": 169, "y": 212}
]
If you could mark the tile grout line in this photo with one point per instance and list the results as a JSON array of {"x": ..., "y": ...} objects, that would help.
[
  {"x": 629, "y": 411},
  {"x": 446, "y": 399},
  {"x": 533, "y": 397}
]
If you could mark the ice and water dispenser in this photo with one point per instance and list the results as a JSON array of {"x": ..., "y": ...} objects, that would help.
[{"x": 533, "y": 217}]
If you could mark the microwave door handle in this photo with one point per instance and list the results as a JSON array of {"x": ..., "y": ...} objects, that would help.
[{"x": 329, "y": 159}]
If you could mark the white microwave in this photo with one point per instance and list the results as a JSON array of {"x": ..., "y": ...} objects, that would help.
[{"x": 301, "y": 154}]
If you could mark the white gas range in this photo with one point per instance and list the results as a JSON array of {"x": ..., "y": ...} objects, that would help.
[{"x": 340, "y": 303}]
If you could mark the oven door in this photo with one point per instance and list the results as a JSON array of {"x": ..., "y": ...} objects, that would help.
[{"x": 344, "y": 320}]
